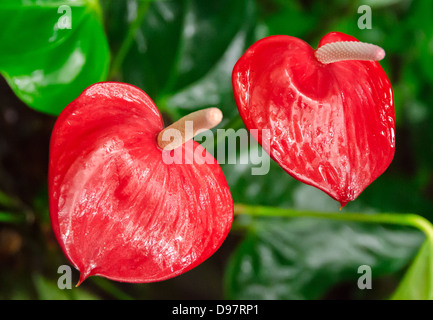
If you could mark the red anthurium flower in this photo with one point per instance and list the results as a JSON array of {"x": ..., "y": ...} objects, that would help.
[
  {"x": 117, "y": 209},
  {"x": 329, "y": 112}
]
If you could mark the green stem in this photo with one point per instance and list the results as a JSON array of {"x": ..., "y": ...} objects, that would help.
[
  {"x": 402, "y": 219},
  {"x": 127, "y": 42}
]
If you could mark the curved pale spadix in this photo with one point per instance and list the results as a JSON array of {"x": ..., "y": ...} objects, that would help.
[
  {"x": 349, "y": 50},
  {"x": 199, "y": 121},
  {"x": 330, "y": 125},
  {"x": 117, "y": 209}
]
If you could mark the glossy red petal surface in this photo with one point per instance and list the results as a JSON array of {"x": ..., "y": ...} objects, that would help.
[
  {"x": 116, "y": 208},
  {"x": 331, "y": 126}
]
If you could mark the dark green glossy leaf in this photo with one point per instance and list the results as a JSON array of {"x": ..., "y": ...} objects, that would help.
[
  {"x": 291, "y": 20},
  {"x": 45, "y": 62},
  {"x": 184, "y": 52},
  {"x": 304, "y": 258},
  {"x": 419, "y": 21}
]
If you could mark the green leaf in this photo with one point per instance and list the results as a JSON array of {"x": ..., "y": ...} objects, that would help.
[
  {"x": 304, "y": 258},
  {"x": 417, "y": 283},
  {"x": 48, "y": 290},
  {"x": 47, "y": 66},
  {"x": 291, "y": 20},
  {"x": 387, "y": 195},
  {"x": 383, "y": 3},
  {"x": 184, "y": 52}
]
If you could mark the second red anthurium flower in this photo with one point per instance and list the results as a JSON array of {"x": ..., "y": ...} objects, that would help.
[{"x": 329, "y": 112}]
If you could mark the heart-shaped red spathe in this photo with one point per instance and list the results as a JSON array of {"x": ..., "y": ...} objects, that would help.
[
  {"x": 331, "y": 126},
  {"x": 116, "y": 208}
]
